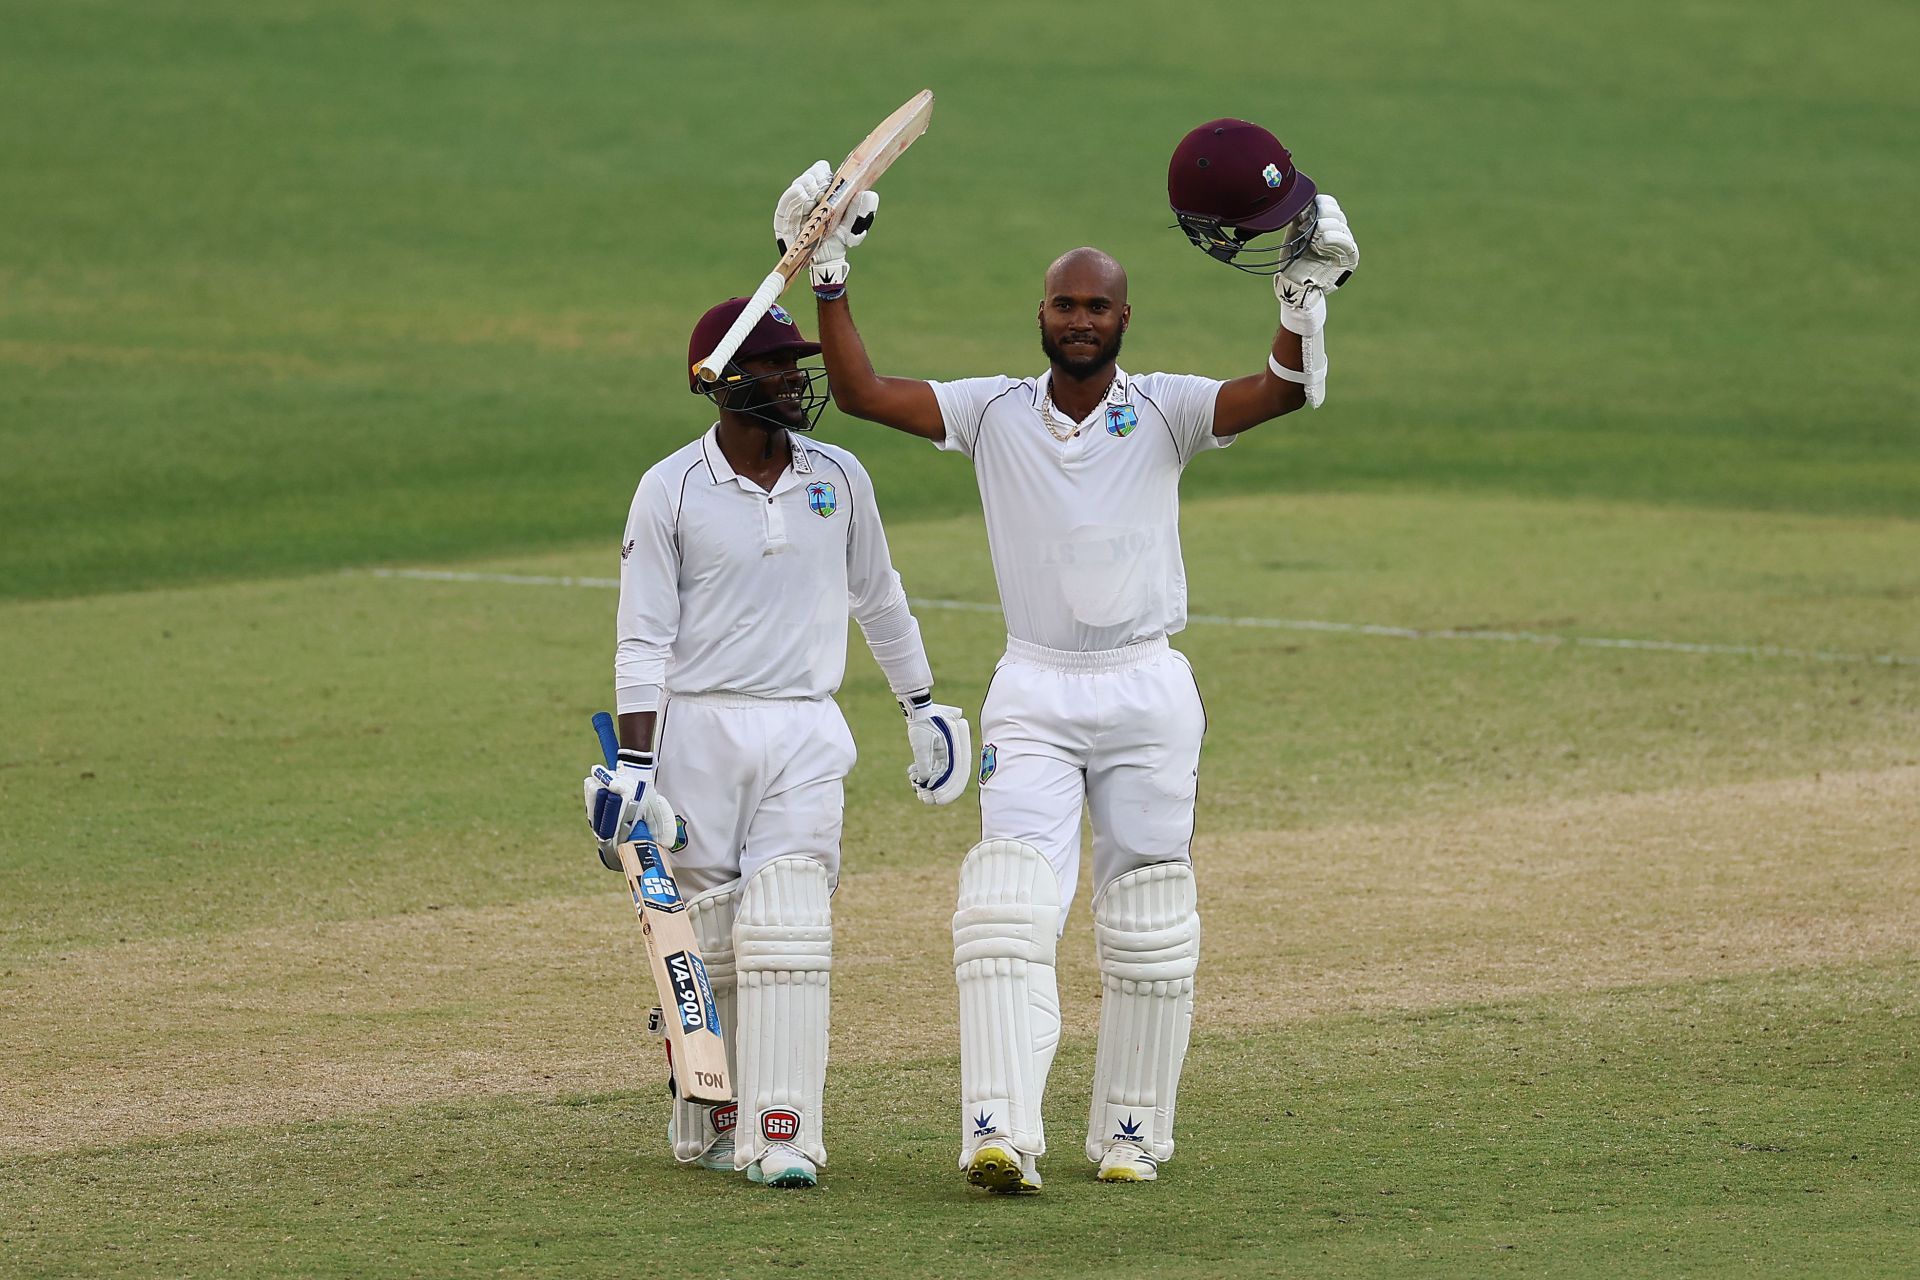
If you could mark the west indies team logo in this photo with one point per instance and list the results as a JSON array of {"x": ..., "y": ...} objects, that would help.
[
  {"x": 1273, "y": 175},
  {"x": 821, "y": 499},
  {"x": 779, "y": 313},
  {"x": 1121, "y": 420},
  {"x": 989, "y": 761}
]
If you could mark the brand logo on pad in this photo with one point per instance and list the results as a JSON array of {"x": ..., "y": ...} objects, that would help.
[
  {"x": 821, "y": 498},
  {"x": 983, "y": 1124},
  {"x": 724, "y": 1117},
  {"x": 1121, "y": 420},
  {"x": 989, "y": 761},
  {"x": 1129, "y": 1131},
  {"x": 779, "y": 1126}
]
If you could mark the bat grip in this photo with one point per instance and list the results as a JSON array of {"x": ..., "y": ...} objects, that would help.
[
  {"x": 609, "y": 740},
  {"x": 710, "y": 369}
]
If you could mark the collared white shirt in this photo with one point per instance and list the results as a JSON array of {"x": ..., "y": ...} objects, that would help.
[
  {"x": 1085, "y": 533},
  {"x": 728, "y": 588}
]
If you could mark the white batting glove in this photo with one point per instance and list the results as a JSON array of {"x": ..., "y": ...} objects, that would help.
[
  {"x": 619, "y": 799},
  {"x": 942, "y": 746},
  {"x": 1331, "y": 256},
  {"x": 829, "y": 270},
  {"x": 797, "y": 201}
]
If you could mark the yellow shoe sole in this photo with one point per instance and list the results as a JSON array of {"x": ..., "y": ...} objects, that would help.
[
  {"x": 998, "y": 1170},
  {"x": 1123, "y": 1173}
]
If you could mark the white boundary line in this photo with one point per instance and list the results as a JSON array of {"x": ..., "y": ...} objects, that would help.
[{"x": 1545, "y": 639}]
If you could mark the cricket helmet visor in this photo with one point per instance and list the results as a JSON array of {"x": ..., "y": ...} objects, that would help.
[
  {"x": 1231, "y": 182},
  {"x": 755, "y": 396}
]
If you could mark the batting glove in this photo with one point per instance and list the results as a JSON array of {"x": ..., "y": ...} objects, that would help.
[
  {"x": 617, "y": 800},
  {"x": 1330, "y": 257},
  {"x": 830, "y": 268},
  {"x": 942, "y": 745},
  {"x": 796, "y": 202}
]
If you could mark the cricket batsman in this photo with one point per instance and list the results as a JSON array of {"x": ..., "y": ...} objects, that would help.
[
  {"x": 744, "y": 553},
  {"x": 1079, "y": 474}
]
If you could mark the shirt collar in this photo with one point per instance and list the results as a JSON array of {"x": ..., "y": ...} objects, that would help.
[
  {"x": 722, "y": 471},
  {"x": 1118, "y": 392}
]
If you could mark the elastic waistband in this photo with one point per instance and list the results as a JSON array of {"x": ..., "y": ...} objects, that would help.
[
  {"x": 726, "y": 698},
  {"x": 1078, "y": 661}
]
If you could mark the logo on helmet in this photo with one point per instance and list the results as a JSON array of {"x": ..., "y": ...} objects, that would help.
[
  {"x": 1273, "y": 175},
  {"x": 779, "y": 312}
]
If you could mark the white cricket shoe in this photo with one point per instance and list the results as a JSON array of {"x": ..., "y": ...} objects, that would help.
[
  {"x": 1127, "y": 1162},
  {"x": 783, "y": 1166},
  {"x": 997, "y": 1166},
  {"x": 718, "y": 1157}
]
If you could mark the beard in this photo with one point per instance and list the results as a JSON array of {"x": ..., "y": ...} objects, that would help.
[{"x": 1081, "y": 366}]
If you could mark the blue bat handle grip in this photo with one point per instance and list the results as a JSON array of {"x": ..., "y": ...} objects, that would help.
[{"x": 609, "y": 740}]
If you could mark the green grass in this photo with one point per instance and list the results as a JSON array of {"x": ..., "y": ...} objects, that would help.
[
  {"x": 1524, "y": 958},
  {"x": 292, "y": 285},
  {"x": 1763, "y": 1125}
]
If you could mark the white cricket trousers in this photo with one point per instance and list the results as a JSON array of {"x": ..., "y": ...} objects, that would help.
[
  {"x": 1117, "y": 731},
  {"x": 756, "y": 779}
]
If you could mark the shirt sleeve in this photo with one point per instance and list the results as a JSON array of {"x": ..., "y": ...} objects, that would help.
[
  {"x": 649, "y": 615},
  {"x": 1186, "y": 401},
  {"x": 962, "y": 405},
  {"x": 875, "y": 597}
]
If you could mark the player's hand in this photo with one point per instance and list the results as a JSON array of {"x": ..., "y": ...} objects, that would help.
[
  {"x": 1331, "y": 256},
  {"x": 942, "y": 746},
  {"x": 620, "y": 798},
  {"x": 829, "y": 271},
  {"x": 797, "y": 201}
]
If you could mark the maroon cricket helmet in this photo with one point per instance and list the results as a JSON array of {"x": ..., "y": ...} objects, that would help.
[
  {"x": 776, "y": 331},
  {"x": 1231, "y": 181}
]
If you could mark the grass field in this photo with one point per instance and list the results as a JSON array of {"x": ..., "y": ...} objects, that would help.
[{"x": 1527, "y": 951}]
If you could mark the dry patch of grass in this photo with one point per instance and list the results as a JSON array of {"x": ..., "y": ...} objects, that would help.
[{"x": 143, "y": 1040}]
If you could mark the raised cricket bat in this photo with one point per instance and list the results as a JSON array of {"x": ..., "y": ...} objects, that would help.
[
  {"x": 695, "y": 1040},
  {"x": 857, "y": 173}
]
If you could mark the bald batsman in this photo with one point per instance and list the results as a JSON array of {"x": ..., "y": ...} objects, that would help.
[{"x": 1090, "y": 708}]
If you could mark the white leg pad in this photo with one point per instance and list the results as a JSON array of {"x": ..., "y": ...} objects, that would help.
[
  {"x": 1147, "y": 937},
  {"x": 1004, "y": 934},
  {"x": 783, "y": 938},
  {"x": 696, "y": 1127}
]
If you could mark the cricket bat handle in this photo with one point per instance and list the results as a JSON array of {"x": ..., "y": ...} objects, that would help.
[{"x": 709, "y": 369}]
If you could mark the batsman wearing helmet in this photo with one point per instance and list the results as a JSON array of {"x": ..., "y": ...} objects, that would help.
[
  {"x": 744, "y": 553},
  {"x": 1079, "y": 471}
]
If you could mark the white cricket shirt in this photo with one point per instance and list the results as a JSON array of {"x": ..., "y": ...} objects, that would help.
[
  {"x": 727, "y": 588},
  {"x": 1085, "y": 533}
]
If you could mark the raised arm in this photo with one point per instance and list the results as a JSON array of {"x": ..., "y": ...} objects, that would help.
[
  {"x": 1296, "y": 372},
  {"x": 905, "y": 404}
]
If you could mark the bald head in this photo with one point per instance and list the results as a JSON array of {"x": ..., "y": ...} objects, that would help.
[{"x": 1085, "y": 271}]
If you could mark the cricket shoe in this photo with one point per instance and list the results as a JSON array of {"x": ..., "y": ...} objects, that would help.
[
  {"x": 718, "y": 1157},
  {"x": 997, "y": 1166},
  {"x": 783, "y": 1166},
  {"x": 1127, "y": 1162}
]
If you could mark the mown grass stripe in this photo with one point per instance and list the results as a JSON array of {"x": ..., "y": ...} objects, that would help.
[{"x": 1545, "y": 638}]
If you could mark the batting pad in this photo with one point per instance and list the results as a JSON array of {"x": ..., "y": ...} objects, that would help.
[
  {"x": 1003, "y": 959},
  {"x": 1146, "y": 933},
  {"x": 696, "y": 1126},
  {"x": 783, "y": 942}
]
